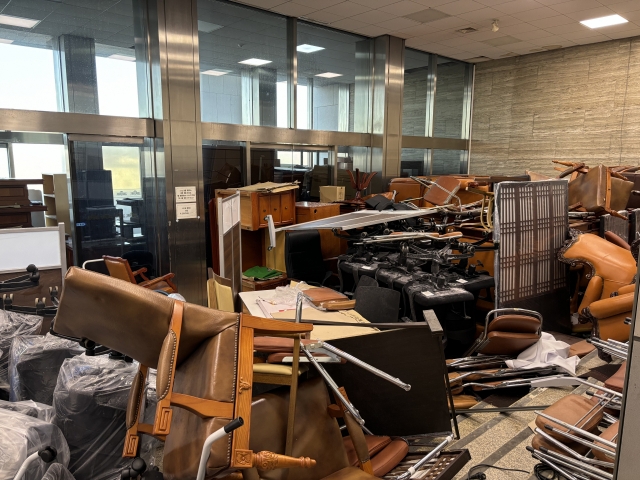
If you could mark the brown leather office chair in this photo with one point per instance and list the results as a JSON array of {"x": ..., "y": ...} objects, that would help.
[
  {"x": 120, "y": 268},
  {"x": 508, "y": 331},
  {"x": 204, "y": 360}
]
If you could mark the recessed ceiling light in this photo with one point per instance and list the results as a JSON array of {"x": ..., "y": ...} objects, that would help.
[
  {"x": 216, "y": 73},
  {"x": 126, "y": 58},
  {"x": 604, "y": 21},
  {"x": 5, "y": 40},
  {"x": 207, "y": 27},
  {"x": 18, "y": 21},
  {"x": 306, "y": 48},
  {"x": 255, "y": 62},
  {"x": 329, "y": 75}
]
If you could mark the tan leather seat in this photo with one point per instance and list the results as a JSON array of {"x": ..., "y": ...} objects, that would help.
[
  {"x": 384, "y": 452},
  {"x": 511, "y": 334},
  {"x": 582, "y": 412},
  {"x": 616, "y": 381},
  {"x": 581, "y": 349},
  {"x": 539, "y": 441},
  {"x": 608, "y": 315},
  {"x": 610, "y": 434}
]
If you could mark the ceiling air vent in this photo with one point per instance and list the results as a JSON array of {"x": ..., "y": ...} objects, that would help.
[{"x": 467, "y": 30}]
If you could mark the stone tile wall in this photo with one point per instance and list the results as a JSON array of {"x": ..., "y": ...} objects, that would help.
[{"x": 577, "y": 104}]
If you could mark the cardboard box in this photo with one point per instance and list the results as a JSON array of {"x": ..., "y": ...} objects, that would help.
[{"x": 331, "y": 194}]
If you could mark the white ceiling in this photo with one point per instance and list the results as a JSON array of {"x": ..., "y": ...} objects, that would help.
[{"x": 526, "y": 26}]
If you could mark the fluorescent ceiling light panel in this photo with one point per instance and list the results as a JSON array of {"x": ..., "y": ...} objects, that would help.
[
  {"x": 255, "y": 62},
  {"x": 18, "y": 21},
  {"x": 126, "y": 58},
  {"x": 216, "y": 73},
  {"x": 5, "y": 40},
  {"x": 604, "y": 21},
  {"x": 306, "y": 48},
  {"x": 207, "y": 27},
  {"x": 329, "y": 75}
]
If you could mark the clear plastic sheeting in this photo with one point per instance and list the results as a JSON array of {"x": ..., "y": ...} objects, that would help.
[
  {"x": 13, "y": 325},
  {"x": 34, "y": 363},
  {"x": 30, "y": 408},
  {"x": 20, "y": 436},
  {"x": 57, "y": 472},
  {"x": 90, "y": 402}
]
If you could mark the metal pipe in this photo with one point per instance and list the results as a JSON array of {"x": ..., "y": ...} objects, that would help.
[
  {"x": 576, "y": 463},
  {"x": 428, "y": 457},
  {"x": 23, "y": 468},
  {"x": 598, "y": 387},
  {"x": 582, "y": 432},
  {"x": 572, "y": 452},
  {"x": 366, "y": 366},
  {"x": 579, "y": 440},
  {"x": 332, "y": 385},
  {"x": 534, "y": 454},
  {"x": 211, "y": 439}
]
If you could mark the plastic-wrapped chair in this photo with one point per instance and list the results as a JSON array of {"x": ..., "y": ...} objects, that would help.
[
  {"x": 13, "y": 325},
  {"x": 34, "y": 364},
  {"x": 90, "y": 402},
  {"x": 21, "y": 436},
  {"x": 58, "y": 472},
  {"x": 30, "y": 408}
]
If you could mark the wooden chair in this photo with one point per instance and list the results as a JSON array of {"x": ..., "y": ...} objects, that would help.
[
  {"x": 120, "y": 268},
  {"x": 204, "y": 359},
  {"x": 220, "y": 293}
]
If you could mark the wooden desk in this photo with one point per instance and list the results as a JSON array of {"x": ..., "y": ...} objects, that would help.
[{"x": 15, "y": 206}]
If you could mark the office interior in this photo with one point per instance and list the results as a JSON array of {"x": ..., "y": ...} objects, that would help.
[{"x": 346, "y": 239}]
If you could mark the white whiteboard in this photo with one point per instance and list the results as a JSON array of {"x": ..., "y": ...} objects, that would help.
[{"x": 43, "y": 247}]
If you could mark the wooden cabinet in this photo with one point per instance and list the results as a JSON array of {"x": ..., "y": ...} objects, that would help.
[
  {"x": 15, "y": 206},
  {"x": 255, "y": 206},
  {"x": 56, "y": 199},
  {"x": 309, "y": 211}
]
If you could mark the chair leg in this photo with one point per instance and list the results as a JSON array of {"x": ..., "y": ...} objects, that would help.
[{"x": 293, "y": 394}]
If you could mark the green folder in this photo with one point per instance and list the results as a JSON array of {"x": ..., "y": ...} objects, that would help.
[{"x": 262, "y": 273}]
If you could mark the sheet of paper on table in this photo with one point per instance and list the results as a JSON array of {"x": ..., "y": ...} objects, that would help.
[{"x": 325, "y": 332}]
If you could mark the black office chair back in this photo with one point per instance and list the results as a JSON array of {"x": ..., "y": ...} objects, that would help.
[
  {"x": 303, "y": 256},
  {"x": 377, "y": 304},
  {"x": 367, "y": 281}
]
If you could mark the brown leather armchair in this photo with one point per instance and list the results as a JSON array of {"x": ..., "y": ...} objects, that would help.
[
  {"x": 120, "y": 268},
  {"x": 611, "y": 268}
]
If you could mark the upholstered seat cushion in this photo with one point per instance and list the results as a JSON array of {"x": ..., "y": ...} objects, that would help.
[
  {"x": 616, "y": 381},
  {"x": 350, "y": 473},
  {"x": 611, "y": 435},
  {"x": 385, "y": 453},
  {"x": 508, "y": 343},
  {"x": 375, "y": 444},
  {"x": 575, "y": 410},
  {"x": 275, "y": 344},
  {"x": 515, "y": 324},
  {"x": 539, "y": 441},
  {"x": 581, "y": 349}
]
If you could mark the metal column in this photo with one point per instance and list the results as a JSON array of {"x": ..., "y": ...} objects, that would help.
[
  {"x": 388, "y": 82},
  {"x": 177, "y": 60},
  {"x": 76, "y": 76}
]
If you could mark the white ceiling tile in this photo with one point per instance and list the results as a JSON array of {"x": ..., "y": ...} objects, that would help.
[
  {"x": 347, "y": 9},
  {"x": 398, "y": 23},
  {"x": 324, "y": 16},
  {"x": 480, "y": 36},
  {"x": 318, "y": 5},
  {"x": 633, "y": 16},
  {"x": 549, "y": 3},
  {"x": 372, "y": 3},
  {"x": 516, "y": 6},
  {"x": 449, "y": 23},
  {"x": 492, "y": 3},
  {"x": 433, "y": 37},
  {"x": 536, "y": 14},
  {"x": 552, "y": 21},
  {"x": 433, "y": 3},
  {"x": 576, "y": 6},
  {"x": 576, "y": 27},
  {"x": 579, "y": 36},
  {"x": 372, "y": 17},
  {"x": 458, "y": 42},
  {"x": 625, "y": 7},
  {"x": 520, "y": 28},
  {"x": 522, "y": 47},
  {"x": 531, "y": 35},
  {"x": 599, "y": 38},
  {"x": 591, "y": 13},
  {"x": 485, "y": 13},
  {"x": 292, "y": 9},
  {"x": 461, "y": 6},
  {"x": 416, "y": 31},
  {"x": 371, "y": 31},
  {"x": 508, "y": 20},
  {"x": 348, "y": 24},
  {"x": 548, "y": 40},
  {"x": 402, "y": 8},
  {"x": 266, "y": 4}
]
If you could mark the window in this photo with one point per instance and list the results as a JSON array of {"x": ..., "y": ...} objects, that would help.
[
  {"x": 4, "y": 161},
  {"x": 78, "y": 57},
  {"x": 243, "y": 65},
  {"x": 414, "y": 162},
  {"x": 333, "y": 79},
  {"x": 449, "y": 161},
  {"x": 450, "y": 99},
  {"x": 32, "y": 160},
  {"x": 417, "y": 94}
]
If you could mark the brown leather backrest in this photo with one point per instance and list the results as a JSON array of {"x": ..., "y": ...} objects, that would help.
[
  {"x": 515, "y": 324},
  {"x": 616, "y": 381},
  {"x": 616, "y": 240},
  {"x": 442, "y": 192},
  {"x": 119, "y": 268},
  {"x": 508, "y": 343},
  {"x": 130, "y": 319},
  {"x": 611, "y": 435},
  {"x": 614, "y": 264},
  {"x": 575, "y": 410}
]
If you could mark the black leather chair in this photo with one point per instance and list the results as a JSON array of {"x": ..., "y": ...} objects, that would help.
[{"x": 303, "y": 257}]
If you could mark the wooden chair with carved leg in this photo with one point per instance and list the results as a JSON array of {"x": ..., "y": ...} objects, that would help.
[
  {"x": 120, "y": 268},
  {"x": 204, "y": 359}
]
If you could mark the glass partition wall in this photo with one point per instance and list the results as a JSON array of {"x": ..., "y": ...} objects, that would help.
[{"x": 276, "y": 99}]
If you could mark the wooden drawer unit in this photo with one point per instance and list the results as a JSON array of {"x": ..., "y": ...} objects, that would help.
[
  {"x": 309, "y": 211},
  {"x": 255, "y": 206}
]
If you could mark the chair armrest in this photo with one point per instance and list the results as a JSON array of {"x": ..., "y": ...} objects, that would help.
[
  {"x": 627, "y": 289},
  {"x": 141, "y": 272},
  {"x": 609, "y": 307}
]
